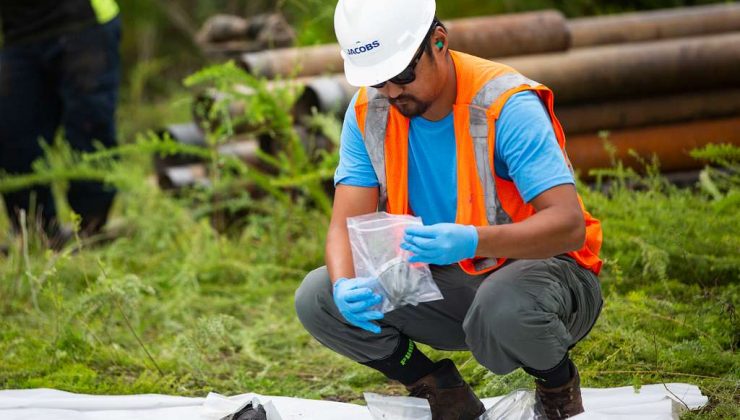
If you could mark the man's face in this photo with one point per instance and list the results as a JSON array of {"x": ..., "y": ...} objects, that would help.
[
  {"x": 409, "y": 102},
  {"x": 413, "y": 99}
]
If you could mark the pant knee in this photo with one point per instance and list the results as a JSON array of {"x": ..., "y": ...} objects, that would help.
[
  {"x": 494, "y": 314},
  {"x": 309, "y": 298},
  {"x": 499, "y": 328}
]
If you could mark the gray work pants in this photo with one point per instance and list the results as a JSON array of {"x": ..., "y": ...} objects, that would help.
[{"x": 527, "y": 313}]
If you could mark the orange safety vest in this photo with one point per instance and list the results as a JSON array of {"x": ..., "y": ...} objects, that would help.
[{"x": 483, "y": 199}]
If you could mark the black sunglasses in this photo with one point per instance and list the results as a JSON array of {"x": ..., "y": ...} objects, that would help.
[{"x": 408, "y": 74}]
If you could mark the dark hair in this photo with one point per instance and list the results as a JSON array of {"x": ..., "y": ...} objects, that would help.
[{"x": 435, "y": 24}]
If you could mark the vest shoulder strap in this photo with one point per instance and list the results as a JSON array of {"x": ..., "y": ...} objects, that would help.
[
  {"x": 494, "y": 94},
  {"x": 374, "y": 127},
  {"x": 486, "y": 106}
]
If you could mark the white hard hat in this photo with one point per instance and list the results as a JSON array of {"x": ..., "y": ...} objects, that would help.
[{"x": 380, "y": 37}]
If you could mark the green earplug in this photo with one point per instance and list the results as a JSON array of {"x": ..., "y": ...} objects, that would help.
[{"x": 440, "y": 44}]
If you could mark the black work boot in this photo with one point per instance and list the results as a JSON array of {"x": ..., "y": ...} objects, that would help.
[
  {"x": 450, "y": 397},
  {"x": 561, "y": 402}
]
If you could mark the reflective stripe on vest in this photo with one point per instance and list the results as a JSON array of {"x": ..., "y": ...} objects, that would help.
[
  {"x": 376, "y": 122},
  {"x": 490, "y": 93},
  {"x": 487, "y": 96}
]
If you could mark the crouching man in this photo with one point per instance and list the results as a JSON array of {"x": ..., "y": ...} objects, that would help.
[{"x": 474, "y": 149}]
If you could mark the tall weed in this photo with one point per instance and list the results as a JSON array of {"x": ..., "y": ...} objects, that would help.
[{"x": 655, "y": 231}]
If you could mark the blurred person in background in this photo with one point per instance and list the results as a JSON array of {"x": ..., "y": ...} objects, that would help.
[{"x": 59, "y": 68}]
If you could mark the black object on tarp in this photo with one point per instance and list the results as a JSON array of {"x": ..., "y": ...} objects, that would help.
[{"x": 249, "y": 412}]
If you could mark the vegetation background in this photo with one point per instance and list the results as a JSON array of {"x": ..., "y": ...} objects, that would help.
[{"x": 173, "y": 306}]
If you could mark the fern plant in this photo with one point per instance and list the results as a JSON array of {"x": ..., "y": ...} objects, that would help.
[{"x": 266, "y": 112}]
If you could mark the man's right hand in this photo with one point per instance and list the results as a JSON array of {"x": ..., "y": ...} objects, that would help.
[{"x": 354, "y": 297}]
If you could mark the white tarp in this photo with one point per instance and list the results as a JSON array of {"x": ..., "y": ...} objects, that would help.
[{"x": 652, "y": 402}]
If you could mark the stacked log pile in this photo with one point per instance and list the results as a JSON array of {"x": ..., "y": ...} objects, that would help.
[
  {"x": 661, "y": 97},
  {"x": 224, "y": 36},
  {"x": 661, "y": 82}
]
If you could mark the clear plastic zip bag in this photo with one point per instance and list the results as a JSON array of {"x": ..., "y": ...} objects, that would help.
[
  {"x": 382, "y": 407},
  {"x": 376, "y": 250},
  {"x": 517, "y": 405}
]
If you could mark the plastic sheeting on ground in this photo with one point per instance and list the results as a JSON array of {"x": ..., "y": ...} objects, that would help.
[{"x": 652, "y": 402}]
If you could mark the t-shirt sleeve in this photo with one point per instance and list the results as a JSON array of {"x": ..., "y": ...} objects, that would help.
[
  {"x": 354, "y": 167},
  {"x": 527, "y": 150}
]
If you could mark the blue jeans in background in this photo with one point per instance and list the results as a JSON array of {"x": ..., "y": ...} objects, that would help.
[{"x": 69, "y": 82}]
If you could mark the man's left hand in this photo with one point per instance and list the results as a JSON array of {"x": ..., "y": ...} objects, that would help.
[{"x": 440, "y": 244}]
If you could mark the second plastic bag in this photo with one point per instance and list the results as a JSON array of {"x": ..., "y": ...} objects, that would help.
[
  {"x": 517, "y": 405},
  {"x": 382, "y": 407},
  {"x": 376, "y": 239}
]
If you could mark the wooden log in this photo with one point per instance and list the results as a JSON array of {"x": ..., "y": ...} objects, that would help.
[
  {"x": 294, "y": 62},
  {"x": 592, "y": 117},
  {"x": 654, "y": 25},
  {"x": 671, "y": 143},
  {"x": 228, "y": 35},
  {"x": 327, "y": 94},
  {"x": 632, "y": 70},
  {"x": 177, "y": 177},
  {"x": 508, "y": 35}
]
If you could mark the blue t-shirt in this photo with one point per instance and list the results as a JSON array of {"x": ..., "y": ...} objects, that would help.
[{"x": 527, "y": 152}]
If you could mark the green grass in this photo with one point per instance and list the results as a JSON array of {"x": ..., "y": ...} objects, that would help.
[
  {"x": 216, "y": 313},
  {"x": 174, "y": 307}
]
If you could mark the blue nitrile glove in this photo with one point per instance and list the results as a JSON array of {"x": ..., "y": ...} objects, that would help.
[
  {"x": 354, "y": 297},
  {"x": 441, "y": 244}
]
